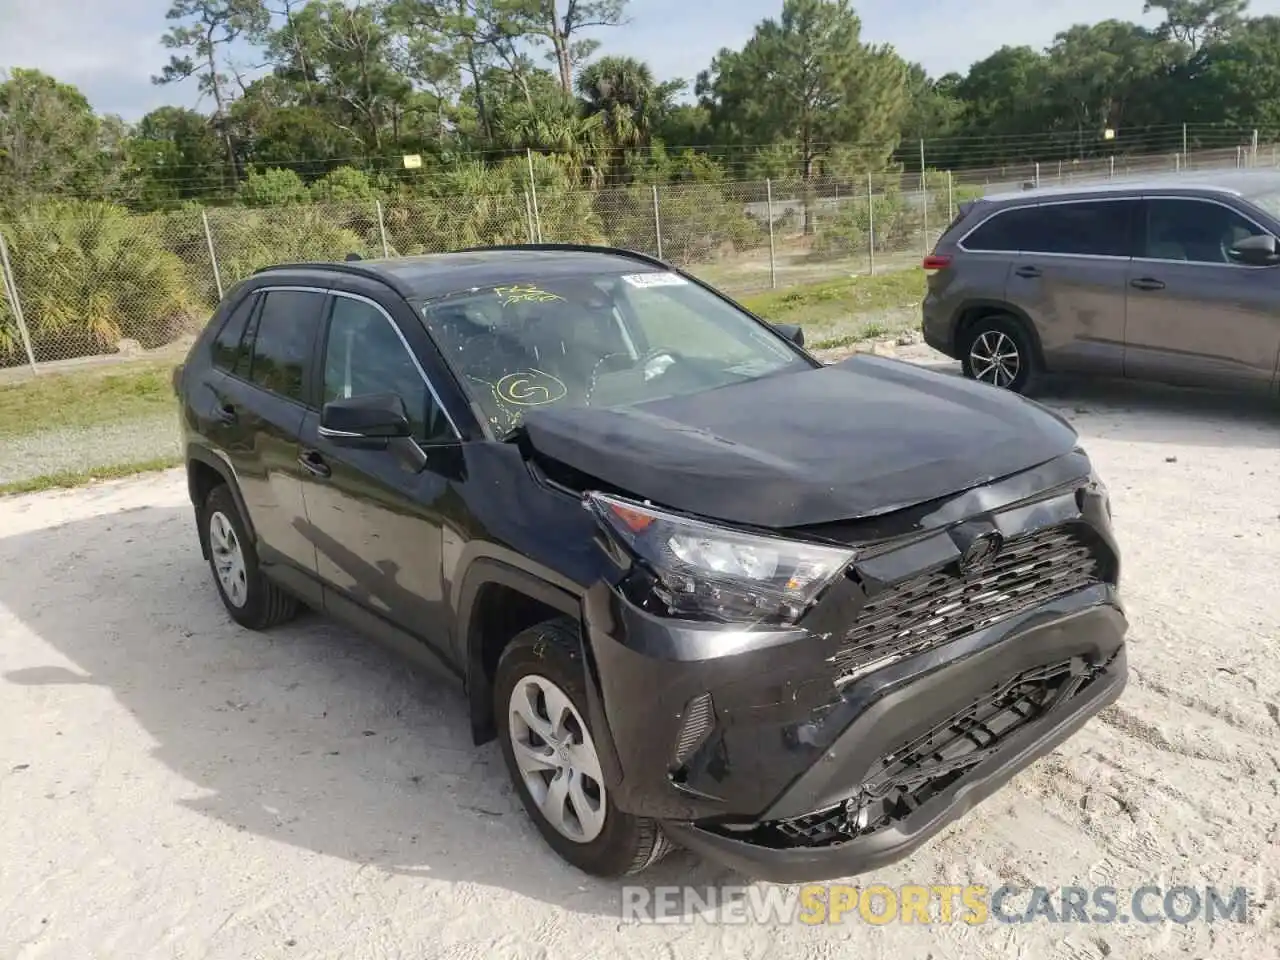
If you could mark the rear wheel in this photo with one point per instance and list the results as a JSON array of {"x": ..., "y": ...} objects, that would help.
[
  {"x": 540, "y": 704},
  {"x": 252, "y": 600},
  {"x": 997, "y": 350}
]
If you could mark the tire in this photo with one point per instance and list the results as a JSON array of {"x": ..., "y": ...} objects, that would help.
[
  {"x": 608, "y": 843},
  {"x": 1004, "y": 335},
  {"x": 252, "y": 600}
]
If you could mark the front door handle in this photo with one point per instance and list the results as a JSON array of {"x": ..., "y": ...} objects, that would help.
[
  {"x": 1027, "y": 272},
  {"x": 314, "y": 464},
  {"x": 1147, "y": 283}
]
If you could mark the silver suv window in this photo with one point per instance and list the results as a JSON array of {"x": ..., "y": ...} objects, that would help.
[{"x": 1089, "y": 228}]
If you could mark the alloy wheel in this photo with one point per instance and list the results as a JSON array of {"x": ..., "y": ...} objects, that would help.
[
  {"x": 228, "y": 559},
  {"x": 557, "y": 758},
  {"x": 994, "y": 358}
]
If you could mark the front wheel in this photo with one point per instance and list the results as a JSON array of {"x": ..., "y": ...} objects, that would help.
[
  {"x": 540, "y": 703},
  {"x": 997, "y": 350}
]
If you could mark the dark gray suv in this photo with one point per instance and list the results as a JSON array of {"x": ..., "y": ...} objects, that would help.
[{"x": 1168, "y": 279}]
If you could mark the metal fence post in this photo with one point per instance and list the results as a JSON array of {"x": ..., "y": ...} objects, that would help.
[
  {"x": 1037, "y": 173},
  {"x": 11, "y": 288},
  {"x": 1253, "y": 150},
  {"x": 773, "y": 262},
  {"x": 213, "y": 256},
  {"x": 1111, "y": 167},
  {"x": 382, "y": 229},
  {"x": 924, "y": 202},
  {"x": 951, "y": 206},
  {"x": 657, "y": 221},
  {"x": 533, "y": 194},
  {"x": 871, "y": 227},
  {"x": 528, "y": 213}
]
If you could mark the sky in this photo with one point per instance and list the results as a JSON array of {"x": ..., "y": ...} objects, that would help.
[{"x": 111, "y": 56}]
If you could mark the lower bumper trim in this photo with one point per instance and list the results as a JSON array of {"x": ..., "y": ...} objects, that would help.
[{"x": 900, "y": 839}]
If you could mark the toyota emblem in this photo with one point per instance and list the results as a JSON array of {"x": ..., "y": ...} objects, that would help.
[{"x": 981, "y": 551}]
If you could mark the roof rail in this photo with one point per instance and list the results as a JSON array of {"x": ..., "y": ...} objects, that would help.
[{"x": 575, "y": 247}]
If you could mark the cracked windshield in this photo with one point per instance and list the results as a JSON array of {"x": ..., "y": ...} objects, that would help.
[{"x": 598, "y": 341}]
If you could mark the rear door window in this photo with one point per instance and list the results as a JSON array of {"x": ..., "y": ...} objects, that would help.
[
  {"x": 282, "y": 341},
  {"x": 227, "y": 350},
  {"x": 1100, "y": 228}
]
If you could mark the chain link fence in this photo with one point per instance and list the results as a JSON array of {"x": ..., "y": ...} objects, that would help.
[{"x": 84, "y": 278}]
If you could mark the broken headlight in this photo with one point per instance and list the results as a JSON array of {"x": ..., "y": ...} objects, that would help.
[{"x": 705, "y": 571}]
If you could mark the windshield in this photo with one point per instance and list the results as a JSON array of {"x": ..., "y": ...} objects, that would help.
[
  {"x": 1269, "y": 201},
  {"x": 600, "y": 341}
]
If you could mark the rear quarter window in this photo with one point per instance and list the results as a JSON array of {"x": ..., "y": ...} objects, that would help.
[{"x": 1080, "y": 228}]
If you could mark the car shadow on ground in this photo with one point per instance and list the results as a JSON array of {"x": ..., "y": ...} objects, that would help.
[
  {"x": 1137, "y": 412},
  {"x": 307, "y": 735}
]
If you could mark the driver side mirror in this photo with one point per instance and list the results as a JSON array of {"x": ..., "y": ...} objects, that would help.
[
  {"x": 367, "y": 422},
  {"x": 792, "y": 331},
  {"x": 1256, "y": 251}
]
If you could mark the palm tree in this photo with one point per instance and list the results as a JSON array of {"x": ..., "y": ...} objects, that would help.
[{"x": 622, "y": 91}]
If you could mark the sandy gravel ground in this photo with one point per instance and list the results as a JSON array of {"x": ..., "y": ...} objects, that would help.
[{"x": 173, "y": 786}]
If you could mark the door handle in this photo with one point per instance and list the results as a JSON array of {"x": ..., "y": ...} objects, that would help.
[
  {"x": 225, "y": 413},
  {"x": 1146, "y": 283},
  {"x": 314, "y": 464},
  {"x": 1028, "y": 272}
]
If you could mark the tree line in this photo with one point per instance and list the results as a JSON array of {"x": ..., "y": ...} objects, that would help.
[{"x": 343, "y": 93}]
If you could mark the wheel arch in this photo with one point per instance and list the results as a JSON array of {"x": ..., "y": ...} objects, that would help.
[
  {"x": 207, "y": 469},
  {"x": 498, "y": 601},
  {"x": 972, "y": 311}
]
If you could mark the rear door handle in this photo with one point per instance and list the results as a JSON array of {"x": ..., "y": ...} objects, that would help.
[
  {"x": 225, "y": 413},
  {"x": 1028, "y": 272},
  {"x": 1147, "y": 283},
  {"x": 314, "y": 464}
]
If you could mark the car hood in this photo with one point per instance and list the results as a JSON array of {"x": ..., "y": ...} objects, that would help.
[{"x": 853, "y": 440}]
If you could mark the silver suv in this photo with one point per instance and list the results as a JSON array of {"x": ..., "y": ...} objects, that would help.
[{"x": 1169, "y": 279}]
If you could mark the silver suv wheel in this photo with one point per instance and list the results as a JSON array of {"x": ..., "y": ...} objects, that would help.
[{"x": 994, "y": 359}]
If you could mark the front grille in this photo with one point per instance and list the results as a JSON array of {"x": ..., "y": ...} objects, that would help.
[
  {"x": 936, "y": 608},
  {"x": 920, "y": 769}
]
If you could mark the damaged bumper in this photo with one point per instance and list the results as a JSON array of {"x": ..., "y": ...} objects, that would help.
[
  {"x": 945, "y": 764},
  {"x": 911, "y": 693}
]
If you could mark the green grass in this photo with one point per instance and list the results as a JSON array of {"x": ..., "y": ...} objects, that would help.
[
  {"x": 77, "y": 478},
  {"x": 833, "y": 302},
  {"x": 86, "y": 398}
]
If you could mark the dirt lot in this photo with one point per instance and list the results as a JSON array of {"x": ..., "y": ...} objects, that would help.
[{"x": 173, "y": 786}]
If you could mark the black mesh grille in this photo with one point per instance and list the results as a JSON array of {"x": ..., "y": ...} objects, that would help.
[
  {"x": 699, "y": 718},
  {"x": 920, "y": 769},
  {"x": 928, "y": 611}
]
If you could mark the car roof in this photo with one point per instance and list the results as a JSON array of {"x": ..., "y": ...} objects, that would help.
[
  {"x": 1230, "y": 182},
  {"x": 431, "y": 275}
]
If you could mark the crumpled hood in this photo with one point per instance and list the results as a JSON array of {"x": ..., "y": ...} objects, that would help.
[{"x": 857, "y": 439}]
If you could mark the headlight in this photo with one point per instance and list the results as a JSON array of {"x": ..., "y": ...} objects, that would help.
[{"x": 705, "y": 571}]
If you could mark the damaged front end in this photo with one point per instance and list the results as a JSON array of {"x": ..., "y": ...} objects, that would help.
[
  {"x": 823, "y": 710},
  {"x": 905, "y": 779}
]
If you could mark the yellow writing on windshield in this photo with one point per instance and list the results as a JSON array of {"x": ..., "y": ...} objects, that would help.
[{"x": 525, "y": 294}]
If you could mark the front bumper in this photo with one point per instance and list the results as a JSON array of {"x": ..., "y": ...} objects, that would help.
[
  {"x": 844, "y": 765},
  {"x": 733, "y": 738}
]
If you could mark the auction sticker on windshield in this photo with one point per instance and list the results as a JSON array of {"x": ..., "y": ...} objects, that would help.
[{"x": 655, "y": 280}]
